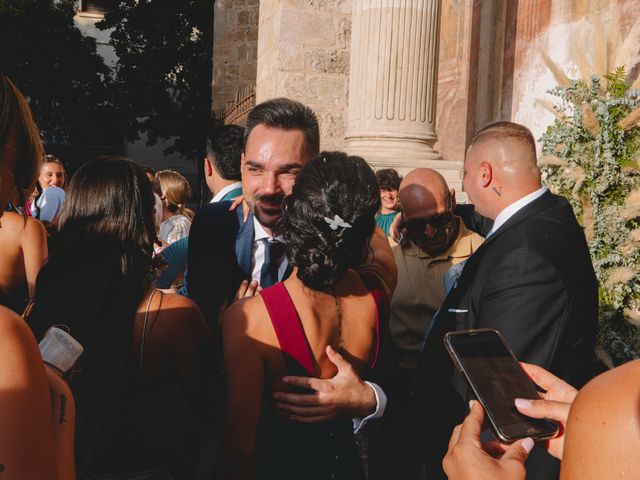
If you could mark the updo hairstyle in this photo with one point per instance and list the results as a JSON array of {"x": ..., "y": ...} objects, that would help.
[
  {"x": 331, "y": 184},
  {"x": 176, "y": 189}
]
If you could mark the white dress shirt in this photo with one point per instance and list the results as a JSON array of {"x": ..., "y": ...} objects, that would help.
[
  {"x": 257, "y": 258},
  {"x": 512, "y": 209},
  {"x": 220, "y": 195}
]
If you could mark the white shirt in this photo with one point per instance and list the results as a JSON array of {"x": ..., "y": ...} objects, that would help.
[
  {"x": 50, "y": 203},
  {"x": 220, "y": 195},
  {"x": 257, "y": 257},
  {"x": 512, "y": 209}
]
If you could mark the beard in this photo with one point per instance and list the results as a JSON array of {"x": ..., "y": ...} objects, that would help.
[{"x": 268, "y": 209}]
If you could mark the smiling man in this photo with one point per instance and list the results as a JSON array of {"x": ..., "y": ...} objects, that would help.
[
  {"x": 435, "y": 239},
  {"x": 225, "y": 248}
]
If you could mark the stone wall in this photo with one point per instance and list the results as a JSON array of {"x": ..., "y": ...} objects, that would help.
[
  {"x": 235, "y": 48},
  {"x": 303, "y": 54}
]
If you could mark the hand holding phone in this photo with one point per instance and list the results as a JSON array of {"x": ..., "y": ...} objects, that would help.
[{"x": 496, "y": 378}]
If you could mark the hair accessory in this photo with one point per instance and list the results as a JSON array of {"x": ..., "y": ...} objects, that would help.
[{"x": 336, "y": 222}]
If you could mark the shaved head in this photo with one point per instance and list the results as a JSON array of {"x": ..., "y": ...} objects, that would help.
[
  {"x": 512, "y": 149},
  {"x": 425, "y": 199},
  {"x": 423, "y": 186},
  {"x": 500, "y": 167}
]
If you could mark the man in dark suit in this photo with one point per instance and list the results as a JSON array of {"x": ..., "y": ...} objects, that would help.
[
  {"x": 532, "y": 279},
  {"x": 229, "y": 247}
]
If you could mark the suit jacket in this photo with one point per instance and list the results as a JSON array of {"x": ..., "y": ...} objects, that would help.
[
  {"x": 220, "y": 249},
  {"x": 533, "y": 280}
]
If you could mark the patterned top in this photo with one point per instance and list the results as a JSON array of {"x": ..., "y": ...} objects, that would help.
[{"x": 174, "y": 228}]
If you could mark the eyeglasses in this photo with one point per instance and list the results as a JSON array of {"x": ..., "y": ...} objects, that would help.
[{"x": 417, "y": 226}]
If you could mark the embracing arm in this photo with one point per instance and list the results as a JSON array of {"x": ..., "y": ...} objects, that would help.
[
  {"x": 380, "y": 260},
  {"x": 34, "y": 251},
  {"x": 63, "y": 410},
  {"x": 244, "y": 364},
  {"x": 26, "y": 436}
]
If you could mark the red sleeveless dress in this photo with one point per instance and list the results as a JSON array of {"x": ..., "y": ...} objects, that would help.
[{"x": 289, "y": 450}]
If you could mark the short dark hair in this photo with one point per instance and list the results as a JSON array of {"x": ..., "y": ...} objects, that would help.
[
  {"x": 388, "y": 179},
  {"x": 505, "y": 131},
  {"x": 331, "y": 184},
  {"x": 225, "y": 144},
  {"x": 289, "y": 115}
]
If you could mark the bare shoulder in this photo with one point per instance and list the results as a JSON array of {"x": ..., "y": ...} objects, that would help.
[
  {"x": 603, "y": 430},
  {"x": 247, "y": 319},
  {"x": 34, "y": 227},
  {"x": 616, "y": 388},
  {"x": 178, "y": 306},
  {"x": 172, "y": 318},
  {"x": 15, "y": 334},
  {"x": 19, "y": 353}
]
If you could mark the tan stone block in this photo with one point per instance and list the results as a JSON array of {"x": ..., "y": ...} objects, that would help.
[
  {"x": 328, "y": 61},
  {"x": 291, "y": 57},
  {"x": 343, "y": 32},
  {"x": 295, "y": 86},
  {"x": 307, "y": 27},
  {"x": 327, "y": 89}
]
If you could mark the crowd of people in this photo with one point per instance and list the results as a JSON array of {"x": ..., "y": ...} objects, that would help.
[{"x": 305, "y": 305}]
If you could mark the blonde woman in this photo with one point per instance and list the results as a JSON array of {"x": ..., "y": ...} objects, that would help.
[{"x": 175, "y": 192}]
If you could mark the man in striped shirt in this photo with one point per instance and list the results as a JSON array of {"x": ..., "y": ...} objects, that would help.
[{"x": 434, "y": 239}]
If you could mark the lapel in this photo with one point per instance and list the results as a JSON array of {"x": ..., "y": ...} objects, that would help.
[
  {"x": 545, "y": 201},
  {"x": 452, "y": 300},
  {"x": 244, "y": 241}
]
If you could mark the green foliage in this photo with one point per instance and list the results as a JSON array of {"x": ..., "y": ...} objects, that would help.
[
  {"x": 163, "y": 75},
  {"x": 57, "y": 69},
  {"x": 596, "y": 168}
]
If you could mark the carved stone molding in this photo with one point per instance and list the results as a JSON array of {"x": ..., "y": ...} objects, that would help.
[{"x": 392, "y": 88}]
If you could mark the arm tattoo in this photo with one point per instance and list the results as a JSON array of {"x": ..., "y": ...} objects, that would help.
[
  {"x": 497, "y": 190},
  {"x": 63, "y": 409}
]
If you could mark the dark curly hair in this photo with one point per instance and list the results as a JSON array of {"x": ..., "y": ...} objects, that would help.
[
  {"x": 225, "y": 144},
  {"x": 388, "y": 179},
  {"x": 333, "y": 183}
]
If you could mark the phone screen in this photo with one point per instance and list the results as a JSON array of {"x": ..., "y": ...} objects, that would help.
[{"x": 498, "y": 380}]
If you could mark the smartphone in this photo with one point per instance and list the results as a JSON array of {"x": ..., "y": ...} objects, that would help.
[{"x": 496, "y": 378}]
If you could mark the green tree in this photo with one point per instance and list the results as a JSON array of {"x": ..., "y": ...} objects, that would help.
[
  {"x": 58, "y": 70},
  {"x": 163, "y": 73}
]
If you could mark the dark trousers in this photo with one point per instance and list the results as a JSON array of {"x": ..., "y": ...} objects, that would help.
[{"x": 395, "y": 446}]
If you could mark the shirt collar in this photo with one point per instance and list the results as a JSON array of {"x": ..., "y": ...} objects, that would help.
[
  {"x": 220, "y": 195},
  {"x": 260, "y": 233},
  {"x": 512, "y": 209}
]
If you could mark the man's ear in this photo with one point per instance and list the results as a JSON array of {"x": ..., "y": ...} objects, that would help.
[
  {"x": 486, "y": 174},
  {"x": 207, "y": 167},
  {"x": 453, "y": 198}
]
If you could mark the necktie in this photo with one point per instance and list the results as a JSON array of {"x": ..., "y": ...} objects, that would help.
[{"x": 272, "y": 254}]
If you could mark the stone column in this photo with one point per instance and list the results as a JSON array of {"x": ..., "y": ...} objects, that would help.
[{"x": 393, "y": 84}]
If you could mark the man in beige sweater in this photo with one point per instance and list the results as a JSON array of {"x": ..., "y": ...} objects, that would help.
[{"x": 434, "y": 240}]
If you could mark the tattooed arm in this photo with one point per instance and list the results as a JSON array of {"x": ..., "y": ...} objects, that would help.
[
  {"x": 26, "y": 436},
  {"x": 63, "y": 420}
]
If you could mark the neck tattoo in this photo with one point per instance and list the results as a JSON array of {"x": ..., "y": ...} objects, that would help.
[
  {"x": 339, "y": 319},
  {"x": 497, "y": 190}
]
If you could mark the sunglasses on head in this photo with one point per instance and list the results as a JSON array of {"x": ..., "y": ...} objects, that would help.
[{"x": 418, "y": 225}]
